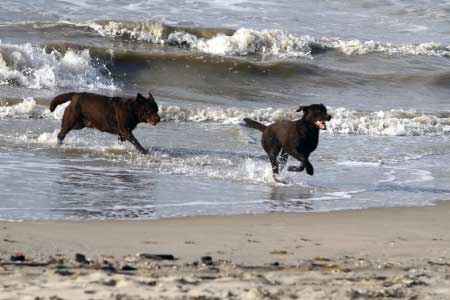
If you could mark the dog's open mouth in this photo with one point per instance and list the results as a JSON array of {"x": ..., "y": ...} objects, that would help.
[
  {"x": 320, "y": 124},
  {"x": 153, "y": 120}
]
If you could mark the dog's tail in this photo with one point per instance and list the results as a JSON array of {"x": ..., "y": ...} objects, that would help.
[
  {"x": 253, "y": 124},
  {"x": 60, "y": 99}
]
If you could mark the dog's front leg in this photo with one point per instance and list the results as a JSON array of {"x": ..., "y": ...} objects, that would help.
[
  {"x": 121, "y": 138},
  {"x": 309, "y": 168},
  {"x": 136, "y": 144},
  {"x": 128, "y": 135}
]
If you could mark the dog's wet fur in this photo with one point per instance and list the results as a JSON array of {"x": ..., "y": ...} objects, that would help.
[
  {"x": 115, "y": 115},
  {"x": 296, "y": 138}
]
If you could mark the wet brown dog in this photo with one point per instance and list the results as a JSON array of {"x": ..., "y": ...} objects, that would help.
[
  {"x": 296, "y": 138},
  {"x": 115, "y": 115}
]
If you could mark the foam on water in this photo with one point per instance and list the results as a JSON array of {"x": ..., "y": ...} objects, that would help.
[
  {"x": 415, "y": 175},
  {"x": 359, "y": 163},
  {"x": 162, "y": 161},
  {"x": 358, "y": 47},
  {"x": 23, "y": 109},
  {"x": 246, "y": 41},
  {"x": 32, "y": 67},
  {"x": 397, "y": 122},
  {"x": 336, "y": 195},
  {"x": 151, "y": 32},
  {"x": 242, "y": 42}
]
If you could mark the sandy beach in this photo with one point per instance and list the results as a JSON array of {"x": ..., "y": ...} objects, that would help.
[{"x": 362, "y": 254}]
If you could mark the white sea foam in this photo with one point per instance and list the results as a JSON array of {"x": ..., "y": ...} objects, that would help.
[
  {"x": 28, "y": 108},
  {"x": 387, "y": 123},
  {"x": 32, "y": 67},
  {"x": 414, "y": 175},
  {"x": 223, "y": 115},
  {"x": 362, "y": 164},
  {"x": 358, "y": 47},
  {"x": 242, "y": 42},
  {"x": 142, "y": 31},
  {"x": 391, "y": 123},
  {"x": 19, "y": 110},
  {"x": 245, "y": 41},
  {"x": 344, "y": 195},
  {"x": 160, "y": 161},
  {"x": 49, "y": 138}
]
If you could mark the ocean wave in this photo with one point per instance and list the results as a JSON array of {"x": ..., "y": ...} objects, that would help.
[
  {"x": 150, "y": 31},
  {"x": 358, "y": 47},
  {"x": 244, "y": 41},
  {"x": 247, "y": 41},
  {"x": 216, "y": 41},
  {"x": 397, "y": 122},
  {"x": 33, "y": 67}
]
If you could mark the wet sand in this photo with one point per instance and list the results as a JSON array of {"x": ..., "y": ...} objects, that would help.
[{"x": 363, "y": 254}]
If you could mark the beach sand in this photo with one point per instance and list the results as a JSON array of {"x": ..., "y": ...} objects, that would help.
[{"x": 380, "y": 253}]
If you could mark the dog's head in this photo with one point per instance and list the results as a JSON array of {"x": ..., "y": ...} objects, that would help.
[
  {"x": 148, "y": 109},
  {"x": 316, "y": 114}
]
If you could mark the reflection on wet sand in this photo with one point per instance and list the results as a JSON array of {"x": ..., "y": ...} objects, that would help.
[
  {"x": 89, "y": 191},
  {"x": 285, "y": 198}
]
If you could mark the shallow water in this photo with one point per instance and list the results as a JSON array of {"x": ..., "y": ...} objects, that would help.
[{"x": 383, "y": 73}]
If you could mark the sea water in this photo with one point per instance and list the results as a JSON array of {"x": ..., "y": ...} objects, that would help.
[{"x": 382, "y": 69}]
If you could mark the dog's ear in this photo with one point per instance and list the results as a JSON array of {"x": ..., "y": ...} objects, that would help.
[
  {"x": 302, "y": 108},
  {"x": 150, "y": 96},
  {"x": 139, "y": 97}
]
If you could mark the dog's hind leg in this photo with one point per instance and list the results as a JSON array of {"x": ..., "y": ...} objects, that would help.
[
  {"x": 306, "y": 164},
  {"x": 282, "y": 160},
  {"x": 71, "y": 120},
  {"x": 273, "y": 157},
  {"x": 296, "y": 168},
  {"x": 272, "y": 149}
]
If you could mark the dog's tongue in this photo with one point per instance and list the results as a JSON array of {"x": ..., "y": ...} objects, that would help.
[{"x": 320, "y": 124}]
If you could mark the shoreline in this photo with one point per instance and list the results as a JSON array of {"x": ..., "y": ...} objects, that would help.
[{"x": 376, "y": 253}]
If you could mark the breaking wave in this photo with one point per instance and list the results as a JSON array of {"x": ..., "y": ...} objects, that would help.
[
  {"x": 397, "y": 122},
  {"x": 244, "y": 41},
  {"x": 358, "y": 47},
  {"x": 209, "y": 40},
  {"x": 33, "y": 67}
]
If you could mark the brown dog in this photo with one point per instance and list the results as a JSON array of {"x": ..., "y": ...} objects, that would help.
[
  {"x": 115, "y": 115},
  {"x": 296, "y": 138}
]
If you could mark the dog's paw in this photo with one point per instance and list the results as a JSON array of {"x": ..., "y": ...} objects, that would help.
[
  {"x": 310, "y": 170},
  {"x": 278, "y": 179},
  {"x": 145, "y": 151},
  {"x": 295, "y": 168}
]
